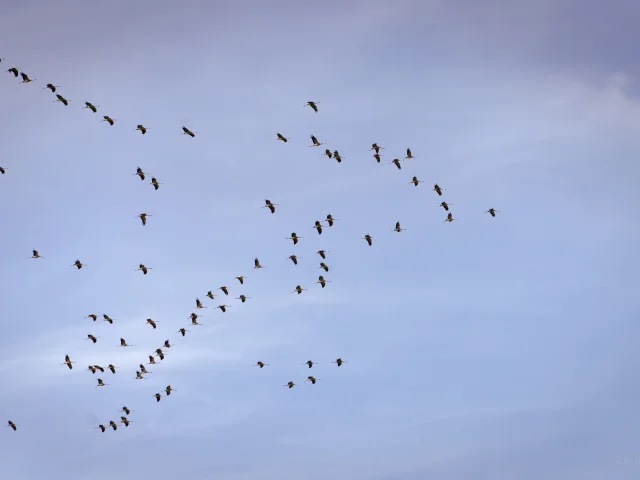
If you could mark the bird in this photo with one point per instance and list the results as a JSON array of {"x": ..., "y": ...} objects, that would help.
[
  {"x": 68, "y": 362},
  {"x": 126, "y": 410},
  {"x": 211, "y": 295},
  {"x": 377, "y": 157},
  {"x": 158, "y": 396},
  {"x": 113, "y": 425},
  {"x": 409, "y": 155},
  {"x": 101, "y": 383},
  {"x": 142, "y": 129},
  {"x": 36, "y": 254},
  {"x": 289, "y": 384},
  {"x": 310, "y": 363},
  {"x": 98, "y": 367},
  {"x": 449, "y": 218},
  {"x": 78, "y": 265},
  {"x": 298, "y": 289},
  {"x": 12, "y": 425},
  {"x": 92, "y": 369},
  {"x": 224, "y": 307},
  {"x": 156, "y": 184},
  {"x": 313, "y": 105},
  {"x": 3, "y": 170},
  {"x": 294, "y": 259},
  {"x": 182, "y": 331},
  {"x": 160, "y": 353},
  {"x": 152, "y": 323},
  {"x": 14, "y": 71},
  {"x": 139, "y": 376},
  {"x": 368, "y": 238},
  {"x": 107, "y": 318},
  {"x": 397, "y": 228},
  {"x": 492, "y": 212},
  {"x": 337, "y": 156},
  {"x": 152, "y": 361},
  {"x": 324, "y": 266},
  {"x": 282, "y": 138},
  {"x": 328, "y": 153},
  {"x": 186, "y": 131},
  {"x": 61, "y": 99},
  {"x": 311, "y": 379},
  {"x": 166, "y": 344},
  {"x": 90, "y": 106},
  {"x": 101, "y": 427},
  {"x": 437, "y": 189},
  {"x": 242, "y": 298},
  {"x": 315, "y": 141},
  {"x": 143, "y": 218},
  {"x": 270, "y": 206},
  {"x": 224, "y": 289},
  {"x": 199, "y": 304},
  {"x": 108, "y": 119},
  {"x": 256, "y": 263},
  {"x": 241, "y": 279},
  {"x": 92, "y": 338},
  {"x": 140, "y": 173},
  {"x": 376, "y": 148},
  {"x": 294, "y": 238},
  {"x": 318, "y": 226},
  {"x": 143, "y": 269},
  {"x": 261, "y": 364},
  {"x": 123, "y": 343},
  {"x": 51, "y": 87},
  {"x": 126, "y": 421},
  {"x": 92, "y": 316},
  {"x": 330, "y": 220},
  {"x": 445, "y": 205},
  {"x": 323, "y": 253},
  {"x": 25, "y": 78},
  {"x": 322, "y": 281},
  {"x": 194, "y": 320},
  {"x": 168, "y": 389},
  {"x": 396, "y": 162},
  {"x": 338, "y": 361},
  {"x": 415, "y": 181},
  {"x": 112, "y": 368},
  {"x": 143, "y": 369}
]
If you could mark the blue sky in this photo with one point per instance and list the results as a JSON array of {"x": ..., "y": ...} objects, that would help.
[{"x": 479, "y": 349}]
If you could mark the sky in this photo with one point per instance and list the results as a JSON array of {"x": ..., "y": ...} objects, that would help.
[{"x": 483, "y": 348}]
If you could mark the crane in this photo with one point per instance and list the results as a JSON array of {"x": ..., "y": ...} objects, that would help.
[
  {"x": 108, "y": 119},
  {"x": 194, "y": 320},
  {"x": 289, "y": 384},
  {"x": 294, "y": 237},
  {"x": 242, "y": 298},
  {"x": 298, "y": 289},
  {"x": 324, "y": 266},
  {"x": 322, "y": 281},
  {"x": 14, "y": 71},
  {"x": 449, "y": 218},
  {"x": 3, "y": 170},
  {"x": 78, "y": 265},
  {"x": 68, "y": 362},
  {"x": 140, "y": 173},
  {"x": 152, "y": 323},
  {"x": 315, "y": 141},
  {"x": 166, "y": 344},
  {"x": 377, "y": 157},
  {"x": 310, "y": 363},
  {"x": 224, "y": 289},
  {"x": 261, "y": 364},
  {"x": 98, "y": 367},
  {"x": 112, "y": 368},
  {"x": 142, "y": 129},
  {"x": 107, "y": 318},
  {"x": 271, "y": 206},
  {"x": 312, "y": 379},
  {"x": 323, "y": 253},
  {"x": 368, "y": 238},
  {"x": 409, "y": 155},
  {"x": 294, "y": 259},
  {"x": 90, "y": 106},
  {"x": 223, "y": 308},
  {"x": 92, "y": 316},
  {"x": 445, "y": 205},
  {"x": 338, "y": 361},
  {"x": 313, "y": 105},
  {"x": 51, "y": 87},
  {"x": 143, "y": 269},
  {"x": 25, "y": 78},
  {"x": 12, "y": 425},
  {"x": 256, "y": 263},
  {"x": 398, "y": 229},
  {"x": 126, "y": 410},
  {"x": 160, "y": 353},
  {"x": 318, "y": 226},
  {"x": 101, "y": 383},
  {"x": 61, "y": 99},
  {"x": 492, "y": 212},
  {"x": 241, "y": 279},
  {"x": 168, "y": 389},
  {"x": 396, "y": 162},
  {"x": 36, "y": 254},
  {"x": 182, "y": 331},
  {"x": 93, "y": 338},
  {"x": 126, "y": 421},
  {"x": 91, "y": 369},
  {"x": 139, "y": 376},
  {"x": 156, "y": 184},
  {"x": 143, "y": 370},
  {"x": 199, "y": 304},
  {"x": 415, "y": 181},
  {"x": 143, "y": 218},
  {"x": 376, "y": 148},
  {"x": 113, "y": 425},
  {"x": 282, "y": 138},
  {"x": 437, "y": 189},
  {"x": 158, "y": 396},
  {"x": 211, "y": 295},
  {"x": 186, "y": 131},
  {"x": 328, "y": 153},
  {"x": 152, "y": 361},
  {"x": 337, "y": 156},
  {"x": 101, "y": 427},
  {"x": 330, "y": 220},
  {"x": 123, "y": 343}
]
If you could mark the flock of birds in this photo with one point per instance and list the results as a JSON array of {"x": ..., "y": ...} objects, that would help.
[{"x": 160, "y": 352}]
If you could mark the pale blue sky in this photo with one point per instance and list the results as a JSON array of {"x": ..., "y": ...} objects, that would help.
[{"x": 480, "y": 349}]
